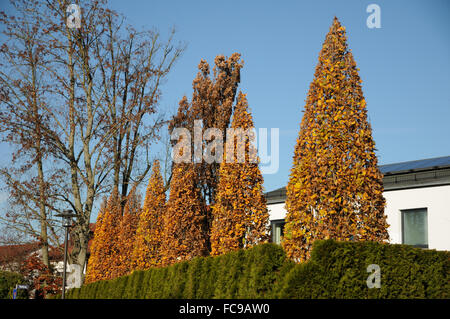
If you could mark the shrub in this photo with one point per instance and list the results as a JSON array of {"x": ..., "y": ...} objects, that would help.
[
  {"x": 8, "y": 281},
  {"x": 247, "y": 273},
  {"x": 339, "y": 270},
  {"x": 335, "y": 270},
  {"x": 134, "y": 285}
]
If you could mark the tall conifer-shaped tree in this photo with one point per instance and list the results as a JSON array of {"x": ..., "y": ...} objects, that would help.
[
  {"x": 127, "y": 235},
  {"x": 147, "y": 249},
  {"x": 184, "y": 236},
  {"x": 240, "y": 216},
  {"x": 212, "y": 103},
  {"x": 214, "y": 92},
  {"x": 104, "y": 247},
  {"x": 335, "y": 186},
  {"x": 93, "y": 271}
]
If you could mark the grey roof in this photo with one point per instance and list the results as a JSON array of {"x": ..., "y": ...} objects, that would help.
[{"x": 411, "y": 174}]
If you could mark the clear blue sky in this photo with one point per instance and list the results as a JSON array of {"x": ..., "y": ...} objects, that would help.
[{"x": 404, "y": 65}]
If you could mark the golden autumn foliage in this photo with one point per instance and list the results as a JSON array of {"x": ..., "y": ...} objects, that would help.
[
  {"x": 126, "y": 240},
  {"x": 114, "y": 238},
  {"x": 93, "y": 272},
  {"x": 335, "y": 186},
  {"x": 101, "y": 264},
  {"x": 147, "y": 250},
  {"x": 214, "y": 92},
  {"x": 184, "y": 236},
  {"x": 240, "y": 216}
]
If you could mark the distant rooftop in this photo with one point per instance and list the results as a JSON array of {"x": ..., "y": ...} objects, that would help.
[
  {"x": 411, "y": 166},
  {"x": 411, "y": 174}
]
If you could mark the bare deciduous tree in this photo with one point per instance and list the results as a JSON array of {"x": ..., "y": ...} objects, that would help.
[{"x": 91, "y": 112}]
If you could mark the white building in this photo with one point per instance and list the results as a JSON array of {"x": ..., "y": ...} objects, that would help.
[{"x": 417, "y": 197}]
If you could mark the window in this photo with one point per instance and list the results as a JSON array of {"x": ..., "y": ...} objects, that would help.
[
  {"x": 277, "y": 230},
  {"x": 415, "y": 227}
]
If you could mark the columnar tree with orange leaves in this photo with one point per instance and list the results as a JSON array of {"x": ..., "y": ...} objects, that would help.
[
  {"x": 212, "y": 104},
  {"x": 104, "y": 250},
  {"x": 335, "y": 186},
  {"x": 147, "y": 249},
  {"x": 240, "y": 216},
  {"x": 124, "y": 263},
  {"x": 93, "y": 271},
  {"x": 184, "y": 236}
]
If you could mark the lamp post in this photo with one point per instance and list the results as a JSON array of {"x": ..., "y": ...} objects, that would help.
[{"x": 66, "y": 223}]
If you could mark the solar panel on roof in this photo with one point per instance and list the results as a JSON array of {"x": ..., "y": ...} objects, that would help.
[
  {"x": 419, "y": 164},
  {"x": 395, "y": 167}
]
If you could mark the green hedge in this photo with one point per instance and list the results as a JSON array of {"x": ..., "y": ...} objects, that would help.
[
  {"x": 335, "y": 270},
  {"x": 339, "y": 270},
  {"x": 248, "y": 273},
  {"x": 8, "y": 281}
]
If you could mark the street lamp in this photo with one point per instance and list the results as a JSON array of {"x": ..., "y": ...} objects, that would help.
[{"x": 66, "y": 222}]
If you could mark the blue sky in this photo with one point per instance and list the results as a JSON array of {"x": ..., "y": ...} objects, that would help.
[{"x": 404, "y": 65}]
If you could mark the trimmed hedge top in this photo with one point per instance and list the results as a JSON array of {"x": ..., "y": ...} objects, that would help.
[
  {"x": 335, "y": 270},
  {"x": 340, "y": 270}
]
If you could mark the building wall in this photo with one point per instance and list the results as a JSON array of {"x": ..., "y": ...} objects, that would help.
[
  {"x": 436, "y": 199},
  {"x": 276, "y": 211}
]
